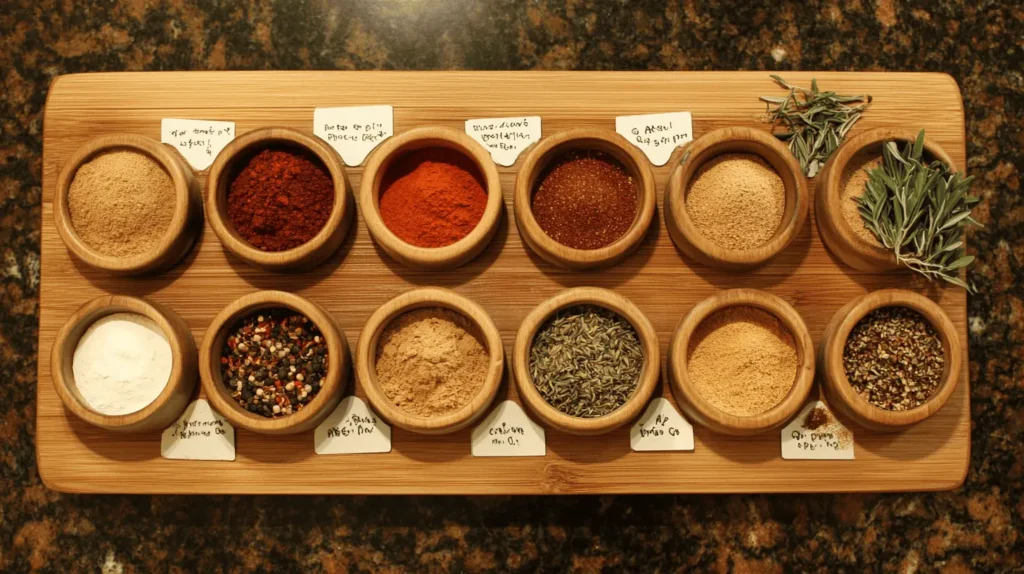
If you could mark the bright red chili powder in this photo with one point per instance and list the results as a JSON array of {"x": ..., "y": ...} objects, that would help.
[
  {"x": 281, "y": 199},
  {"x": 432, "y": 197}
]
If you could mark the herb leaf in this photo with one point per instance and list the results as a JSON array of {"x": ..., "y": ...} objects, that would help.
[{"x": 816, "y": 121}]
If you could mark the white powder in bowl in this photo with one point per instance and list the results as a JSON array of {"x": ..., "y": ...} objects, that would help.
[{"x": 122, "y": 363}]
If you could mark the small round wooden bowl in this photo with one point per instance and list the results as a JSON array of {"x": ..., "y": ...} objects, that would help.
[
  {"x": 168, "y": 405},
  {"x": 836, "y": 232},
  {"x": 427, "y": 297},
  {"x": 437, "y": 258},
  {"x": 837, "y": 386},
  {"x": 699, "y": 409},
  {"x": 234, "y": 157},
  {"x": 648, "y": 378},
  {"x": 551, "y": 148},
  {"x": 338, "y": 364},
  {"x": 735, "y": 140},
  {"x": 185, "y": 222}
]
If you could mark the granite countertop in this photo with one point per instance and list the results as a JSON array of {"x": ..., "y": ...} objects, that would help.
[{"x": 977, "y": 526}]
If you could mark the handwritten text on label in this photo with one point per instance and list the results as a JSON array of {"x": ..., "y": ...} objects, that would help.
[
  {"x": 507, "y": 431},
  {"x": 661, "y": 428},
  {"x": 656, "y": 134},
  {"x": 199, "y": 434},
  {"x": 505, "y": 138},
  {"x": 352, "y": 428},
  {"x": 829, "y": 441},
  {"x": 355, "y": 130},
  {"x": 198, "y": 141}
]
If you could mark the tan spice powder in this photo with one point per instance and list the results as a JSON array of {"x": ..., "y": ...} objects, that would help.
[
  {"x": 121, "y": 203},
  {"x": 736, "y": 201},
  {"x": 851, "y": 186},
  {"x": 430, "y": 362},
  {"x": 742, "y": 360}
]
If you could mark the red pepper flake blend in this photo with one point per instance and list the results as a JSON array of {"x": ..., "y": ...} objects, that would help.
[
  {"x": 274, "y": 362},
  {"x": 281, "y": 199},
  {"x": 585, "y": 200}
]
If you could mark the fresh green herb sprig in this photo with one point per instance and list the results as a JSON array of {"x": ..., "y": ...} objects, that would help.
[
  {"x": 920, "y": 211},
  {"x": 817, "y": 121}
]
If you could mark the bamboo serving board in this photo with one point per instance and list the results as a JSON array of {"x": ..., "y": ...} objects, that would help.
[{"x": 506, "y": 280}]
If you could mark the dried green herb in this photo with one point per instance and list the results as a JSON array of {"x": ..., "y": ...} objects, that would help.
[
  {"x": 920, "y": 210},
  {"x": 586, "y": 361},
  {"x": 817, "y": 121}
]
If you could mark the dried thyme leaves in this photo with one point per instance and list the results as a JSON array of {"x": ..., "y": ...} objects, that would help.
[
  {"x": 894, "y": 358},
  {"x": 586, "y": 361}
]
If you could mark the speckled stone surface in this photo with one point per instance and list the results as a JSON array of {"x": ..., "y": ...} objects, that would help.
[{"x": 976, "y": 527}]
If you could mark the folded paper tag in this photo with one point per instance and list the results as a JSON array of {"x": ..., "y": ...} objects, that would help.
[
  {"x": 198, "y": 141},
  {"x": 661, "y": 428},
  {"x": 657, "y": 135},
  {"x": 352, "y": 428},
  {"x": 505, "y": 138},
  {"x": 355, "y": 130},
  {"x": 200, "y": 433},
  {"x": 507, "y": 431},
  {"x": 815, "y": 434}
]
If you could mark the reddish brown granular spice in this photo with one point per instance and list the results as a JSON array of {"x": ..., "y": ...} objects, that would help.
[
  {"x": 585, "y": 200},
  {"x": 817, "y": 418},
  {"x": 432, "y": 197},
  {"x": 280, "y": 199}
]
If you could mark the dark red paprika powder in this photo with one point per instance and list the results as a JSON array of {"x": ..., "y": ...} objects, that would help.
[
  {"x": 432, "y": 197},
  {"x": 280, "y": 199}
]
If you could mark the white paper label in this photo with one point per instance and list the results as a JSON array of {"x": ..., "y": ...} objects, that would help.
[
  {"x": 505, "y": 138},
  {"x": 199, "y": 141},
  {"x": 507, "y": 431},
  {"x": 656, "y": 134},
  {"x": 199, "y": 434},
  {"x": 355, "y": 130},
  {"x": 828, "y": 440},
  {"x": 661, "y": 428},
  {"x": 352, "y": 428}
]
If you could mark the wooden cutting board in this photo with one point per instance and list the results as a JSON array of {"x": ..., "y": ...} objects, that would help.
[{"x": 506, "y": 280}]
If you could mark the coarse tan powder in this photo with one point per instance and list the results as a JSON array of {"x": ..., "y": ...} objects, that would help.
[
  {"x": 742, "y": 360},
  {"x": 430, "y": 362},
  {"x": 851, "y": 186},
  {"x": 736, "y": 201},
  {"x": 121, "y": 203}
]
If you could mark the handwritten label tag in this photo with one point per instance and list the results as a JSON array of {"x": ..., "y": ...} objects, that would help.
[
  {"x": 199, "y": 141},
  {"x": 656, "y": 134},
  {"x": 505, "y": 138},
  {"x": 352, "y": 428},
  {"x": 199, "y": 434},
  {"x": 507, "y": 431},
  {"x": 661, "y": 428},
  {"x": 818, "y": 436},
  {"x": 355, "y": 130}
]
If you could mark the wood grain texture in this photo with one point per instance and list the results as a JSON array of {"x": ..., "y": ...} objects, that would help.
[{"x": 506, "y": 280}]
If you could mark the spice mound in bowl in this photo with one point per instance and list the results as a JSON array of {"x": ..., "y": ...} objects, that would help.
[
  {"x": 852, "y": 185},
  {"x": 121, "y": 203},
  {"x": 431, "y": 362},
  {"x": 586, "y": 361},
  {"x": 432, "y": 197},
  {"x": 280, "y": 199},
  {"x": 274, "y": 362},
  {"x": 736, "y": 201},
  {"x": 742, "y": 360},
  {"x": 585, "y": 199},
  {"x": 894, "y": 358}
]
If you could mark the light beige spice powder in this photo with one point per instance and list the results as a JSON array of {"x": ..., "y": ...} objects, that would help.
[
  {"x": 742, "y": 360},
  {"x": 851, "y": 186},
  {"x": 121, "y": 203},
  {"x": 736, "y": 201},
  {"x": 430, "y": 362}
]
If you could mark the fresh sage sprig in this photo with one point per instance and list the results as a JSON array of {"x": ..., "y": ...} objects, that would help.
[
  {"x": 920, "y": 211},
  {"x": 817, "y": 121}
]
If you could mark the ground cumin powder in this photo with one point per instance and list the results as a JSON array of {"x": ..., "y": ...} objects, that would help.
[
  {"x": 742, "y": 360},
  {"x": 736, "y": 201},
  {"x": 852, "y": 185},
  {"x": 430, "y": 362},
  {"x": 121, "y": 203}
]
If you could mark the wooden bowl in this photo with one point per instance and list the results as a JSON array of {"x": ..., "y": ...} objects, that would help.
[
  {"x": 168, "y": 405},
  {"x": 234, "y": 157},
  {"x": 836, "y": 385},
  {"x": 449, "y": 256},
  {"x": 427, "y": 297},
  {"x": 735, "y": 140},
  {"x": 338, "y": 364},
  {"x": 697, "y": 408},
  {"x": 185, "y": 222},
  {"x": 648, "y": 379},
  {"x": 549, "y": 149},
  {"x": 836, "y": 231}
]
